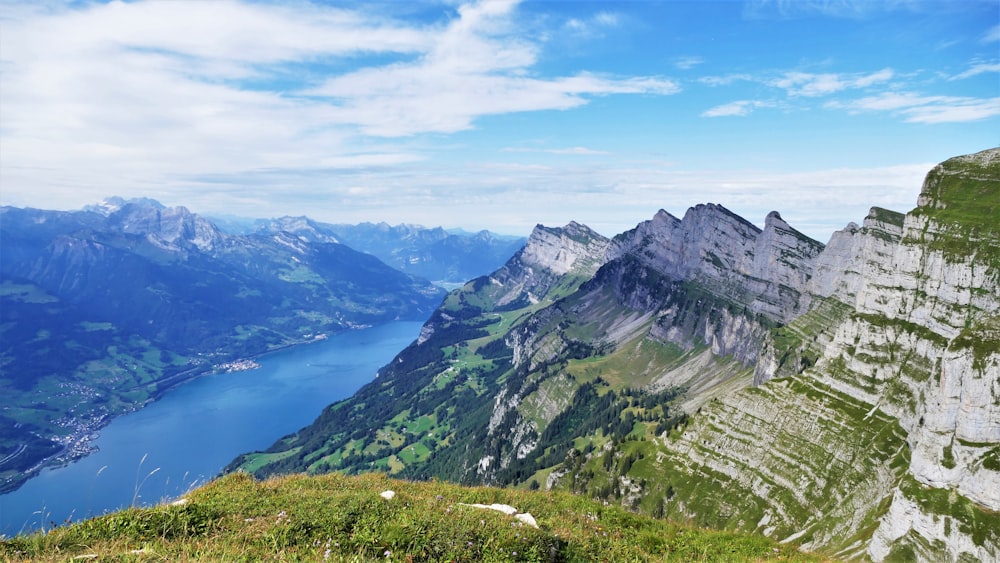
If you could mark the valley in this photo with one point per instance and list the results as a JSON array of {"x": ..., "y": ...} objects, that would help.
[{"x": 106, "y": 309}]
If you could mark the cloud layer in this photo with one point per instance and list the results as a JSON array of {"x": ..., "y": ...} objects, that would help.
[{"x": 437, "y": 110}]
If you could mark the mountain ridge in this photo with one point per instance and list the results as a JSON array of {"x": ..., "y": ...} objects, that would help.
[{"x": 745, "y": 378}]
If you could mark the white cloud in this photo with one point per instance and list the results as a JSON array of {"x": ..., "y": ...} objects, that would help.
[
  {"x": 607, "y": 19},
  {"x": 687, "y": 63},
  {"x": 736, "y": 109},
  {"x": 594, "y": 25},
  {"x": 739, "y": 108},
  {"x": 149, "y": 96},
  {"x": 991, "y": 36},
  {"x": 976, "y": 69},
  {"x": 222, "y": 30},
  {"x": 401, "y": 100},
  {"x": 915, "y": 108},
  {"x": 582, "y": 151},
  {"x": 851, "y": 9},
  {"x": 726, "y": 80},
  {"x": 813, "y": 85}
]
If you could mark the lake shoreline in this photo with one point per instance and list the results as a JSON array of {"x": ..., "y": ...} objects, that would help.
[
  {"x": 87, "y": 432},
  {"x": 188, "y": 436}
]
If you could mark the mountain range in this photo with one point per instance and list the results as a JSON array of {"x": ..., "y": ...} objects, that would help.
[
  {"x": 103, "y": 309},
  {"x": 843, "y": 396},
  {"x": 445, "y": 257}
]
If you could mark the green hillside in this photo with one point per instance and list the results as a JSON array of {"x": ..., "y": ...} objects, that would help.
[{"x": 339, "y": 518}]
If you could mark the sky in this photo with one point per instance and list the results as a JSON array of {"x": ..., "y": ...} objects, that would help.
[{"x": 494, "y": 115}]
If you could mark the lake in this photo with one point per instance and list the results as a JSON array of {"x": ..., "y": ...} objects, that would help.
[{"x": 190, "y": 434}]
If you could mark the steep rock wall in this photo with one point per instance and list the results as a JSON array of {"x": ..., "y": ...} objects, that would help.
[{"x": 911, "y": 304}]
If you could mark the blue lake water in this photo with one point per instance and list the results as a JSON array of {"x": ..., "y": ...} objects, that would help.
[{"x": 190, "y": 434}]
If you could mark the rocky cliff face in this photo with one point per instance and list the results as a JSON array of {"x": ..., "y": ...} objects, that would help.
[
  {"x": 844, "y": 397},
  {"x": 550, "y": 254},
  {"x": 906, "y": 332}
]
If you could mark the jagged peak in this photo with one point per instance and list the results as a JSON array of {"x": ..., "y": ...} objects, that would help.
[
  {"x": 774, "y": 219},
  {"x": 164, "y": 226},
  {"x": 880, "y": 217},
  {"x": 773, "y": 223},
  {"x": 662, "y": 216},
  {"x": 573, "y": 230},
  {"x": 301, "y": 226},
  {"x": 113, "y": 204},
  {"x": 565, "y": 249},
  {"x": 710, "y": 211}
]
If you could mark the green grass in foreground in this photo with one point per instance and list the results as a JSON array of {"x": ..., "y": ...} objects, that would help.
[{"x": 339, "y": 518}]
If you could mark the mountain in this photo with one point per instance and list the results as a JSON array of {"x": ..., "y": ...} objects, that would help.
[
  {"x": 103, "y": 309},
  {"x": 843, "y": 396},
  {"x": 434, "y": 254}
]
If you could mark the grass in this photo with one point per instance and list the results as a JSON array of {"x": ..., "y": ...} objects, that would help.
[
  {"x": 963, "y": 196},
  {"x": 340, "y": 518},
  {"x": 633, "y": 365}
]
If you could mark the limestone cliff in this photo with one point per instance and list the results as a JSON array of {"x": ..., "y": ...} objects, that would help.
[
  {"x": 905, "y": 336},
  {"x": 840, "y": 396}
]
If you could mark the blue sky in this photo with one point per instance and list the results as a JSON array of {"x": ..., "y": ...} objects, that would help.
[{"x": 495, "y": 115}]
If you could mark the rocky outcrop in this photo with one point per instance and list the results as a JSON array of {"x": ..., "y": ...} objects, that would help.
[
  {"x": 902, "y": 325},
  {"x": 550, "y": 254},
  {"x": 767, "y": 270},
  {"x": 711, "y": 280},
  {"x": 170, "y": 228}
]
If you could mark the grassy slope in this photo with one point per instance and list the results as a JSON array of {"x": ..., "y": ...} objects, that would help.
[
  {"x": 343, "y": 518},
  {"x": 963, "y": 196}
]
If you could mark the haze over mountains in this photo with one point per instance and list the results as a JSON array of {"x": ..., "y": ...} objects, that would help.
[
  {"x": 103, "y": 309},
  {"x": 844, "y": 396},
  {"x": 431, "y": 253}
]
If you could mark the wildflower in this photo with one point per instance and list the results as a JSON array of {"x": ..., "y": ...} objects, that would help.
[
  {"x": 326, "y": 554},
  {"x": 388, "y": 554}
]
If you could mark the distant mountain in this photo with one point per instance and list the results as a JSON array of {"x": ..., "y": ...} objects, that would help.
[
  {"x": 445, "y": 257},
  {"x": 102, "y": 309},
  {"x": 843, "y": 396}
]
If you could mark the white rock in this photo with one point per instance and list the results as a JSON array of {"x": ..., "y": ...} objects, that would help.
[
  {"x": 387, "y": 495},
  {"x": 505, "y": 508},
  {"x": 527, "y": 518}
]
